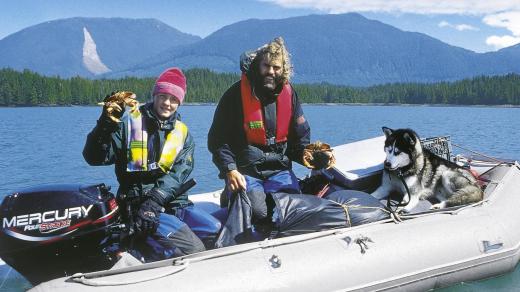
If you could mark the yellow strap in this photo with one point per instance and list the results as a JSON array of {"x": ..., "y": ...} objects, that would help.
[{"x": 173, "y": 146}]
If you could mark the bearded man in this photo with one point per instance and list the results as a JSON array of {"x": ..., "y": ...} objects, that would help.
[{"x": 259, "y": 128}]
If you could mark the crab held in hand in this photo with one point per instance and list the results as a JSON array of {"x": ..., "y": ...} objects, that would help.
[
  {"x": 115, "y": 103},
  {"x": 318, "y": 155}
]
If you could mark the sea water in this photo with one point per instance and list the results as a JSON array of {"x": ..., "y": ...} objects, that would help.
[{"x": 44, "y": 145}]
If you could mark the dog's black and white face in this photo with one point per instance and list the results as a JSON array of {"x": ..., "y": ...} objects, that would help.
[{"x": 400, "y": 146}]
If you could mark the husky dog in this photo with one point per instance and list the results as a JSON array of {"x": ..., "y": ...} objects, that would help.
[{"x": 427, "y": 176}]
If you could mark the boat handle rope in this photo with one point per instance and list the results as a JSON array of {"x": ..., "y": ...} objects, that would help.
[
  {"x": 480, "y": 154},
  {"x": 84, "y": 278},
  {"x": 446, "y": 212}
]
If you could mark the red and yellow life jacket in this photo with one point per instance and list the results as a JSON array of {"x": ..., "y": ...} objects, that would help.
[{"x": 254, "y": 125}]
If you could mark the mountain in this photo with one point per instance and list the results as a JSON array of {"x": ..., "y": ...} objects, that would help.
[
  {"x": 511, "y": 55},
  {"x": 88, "y": 46},
  {"x": 342, "y": 49}
]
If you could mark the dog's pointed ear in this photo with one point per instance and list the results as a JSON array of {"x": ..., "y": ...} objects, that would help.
[
  {"x": 387, "y": 131},
  {"x": 409, "y": 139}
]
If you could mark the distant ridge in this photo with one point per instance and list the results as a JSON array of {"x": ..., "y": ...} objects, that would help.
[
  {"x": 341, "y": 49},
  {"x": 58, "y": 47},
  {"x": 346, "y": 49}
]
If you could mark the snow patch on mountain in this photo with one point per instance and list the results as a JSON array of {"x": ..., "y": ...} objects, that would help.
[{"x": 91, "y": 59}]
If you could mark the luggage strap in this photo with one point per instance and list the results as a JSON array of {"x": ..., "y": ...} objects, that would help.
[{"x": 345, "y": 209}]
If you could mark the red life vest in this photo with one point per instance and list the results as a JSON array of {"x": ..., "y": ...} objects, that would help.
[{"x": 254, "y": 125}]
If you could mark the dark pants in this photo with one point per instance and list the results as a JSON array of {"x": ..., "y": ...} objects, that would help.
[
  {"x": 258, "y": 191},
  {"x": 175, "y": 238}
]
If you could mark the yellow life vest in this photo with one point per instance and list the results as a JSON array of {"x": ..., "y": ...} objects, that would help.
[{"x": 137, "y": 145}]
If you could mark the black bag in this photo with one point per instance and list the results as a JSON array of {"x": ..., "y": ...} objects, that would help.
[
  {"x": 299, "y": 214},
  {"x": 237, "y": 228}
]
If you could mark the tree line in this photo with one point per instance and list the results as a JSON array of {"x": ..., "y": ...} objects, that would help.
[{"x": 28, "y": 88}]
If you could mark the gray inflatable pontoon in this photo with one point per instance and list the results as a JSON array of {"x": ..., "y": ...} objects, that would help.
[{"x": 427, "y": 250}]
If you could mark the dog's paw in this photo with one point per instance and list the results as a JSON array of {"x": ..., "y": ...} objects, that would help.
[
  {"x": 438, "y": 206},
  {"x": 424, "y": 195}
]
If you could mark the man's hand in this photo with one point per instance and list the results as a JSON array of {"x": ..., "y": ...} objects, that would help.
[{"x": 235, "y": 181}]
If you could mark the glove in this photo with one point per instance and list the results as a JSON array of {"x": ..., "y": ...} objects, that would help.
[
  {"x": 318, "y": 155},
  {"x": 147, "y": 217},
  {"x": 114, "y": 105}
]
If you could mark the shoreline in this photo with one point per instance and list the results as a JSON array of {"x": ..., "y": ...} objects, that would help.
[
  {"x": 304, "y": 104},
  {"x": 416, "y": 105}
]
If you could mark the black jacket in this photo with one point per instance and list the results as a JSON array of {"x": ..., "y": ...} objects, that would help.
[
  {"x": 106, "y": 144},
  {"x": 228, "y": 144}
]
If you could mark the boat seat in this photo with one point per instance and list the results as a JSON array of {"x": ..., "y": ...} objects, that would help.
[{"x": 359, "y": 165}]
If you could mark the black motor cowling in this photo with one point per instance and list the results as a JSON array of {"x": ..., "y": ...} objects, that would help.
[{"x": 56, "y": 230}]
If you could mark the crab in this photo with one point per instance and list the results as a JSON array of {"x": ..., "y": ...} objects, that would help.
[
  {"x": 117, "y": 101},
  {"x": 318, "y": 155}
]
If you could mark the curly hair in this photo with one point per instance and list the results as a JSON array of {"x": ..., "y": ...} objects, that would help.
[{"x": 275, "y": 50}]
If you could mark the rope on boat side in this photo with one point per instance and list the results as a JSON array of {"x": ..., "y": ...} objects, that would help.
[
  {"x": 480, "y": 154},
  {"x": 395, "y": 217},
  {"x": 469, "y": 206},
  {"x": 81, "y": 278},
  {"x": 447, "y": 212},
  {"x": 184, "y": 263}
]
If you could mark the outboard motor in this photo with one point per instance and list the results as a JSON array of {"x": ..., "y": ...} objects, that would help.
[{"x": 57, "y": 230}]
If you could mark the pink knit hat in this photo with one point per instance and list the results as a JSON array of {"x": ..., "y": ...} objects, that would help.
[{"x": 172, "y": 81}]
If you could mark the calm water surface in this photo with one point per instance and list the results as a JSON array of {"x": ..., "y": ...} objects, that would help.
[{"x": 43, "y": 145}]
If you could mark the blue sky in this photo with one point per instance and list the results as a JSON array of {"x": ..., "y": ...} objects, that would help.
[{"x": 478, "y": 25}]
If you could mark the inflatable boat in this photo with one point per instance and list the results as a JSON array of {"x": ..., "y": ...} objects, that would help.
[{"x": 423, "y": 250}]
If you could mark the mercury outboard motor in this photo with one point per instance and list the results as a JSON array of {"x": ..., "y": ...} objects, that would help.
[{"x": 57, "y": 230}]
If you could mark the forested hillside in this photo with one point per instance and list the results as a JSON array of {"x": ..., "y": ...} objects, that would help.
[{"x": 31, "y": 89}]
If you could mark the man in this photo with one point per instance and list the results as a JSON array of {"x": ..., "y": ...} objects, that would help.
[
  {"x": 153, "y": 155},
  {"x": 258, "y": 129}
]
